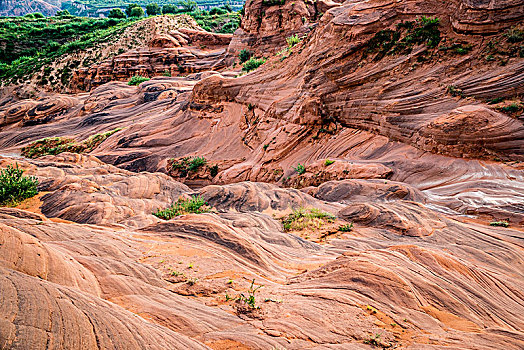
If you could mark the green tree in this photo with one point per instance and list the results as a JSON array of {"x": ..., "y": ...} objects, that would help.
[
  {"x": 62, "y": 13},
  {"x": 169, "y": 9},
  {"x": 152, "y": 9},
  {"x": 188, "y": 5},
  {"x": 116, "y": 13},
  {"x": 137, "y": 12},
  {"x": 217, "y": 11},
  {"x": 129, "y": 8}
]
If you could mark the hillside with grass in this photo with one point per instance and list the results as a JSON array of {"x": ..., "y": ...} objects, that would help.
[
  {"x": 101, "y": 8},
  {"x": 23, "y": 7},
  {"x": 45, "y": 52}
]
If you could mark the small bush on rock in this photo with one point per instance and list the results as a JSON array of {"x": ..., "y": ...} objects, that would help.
[
  {"x": 499, "y": 223},
  {"x": 137, "y": 80},
  {"x": 244, "y": 55},
  {"x": 195, "y": 204},
  {"x": 14, "y": 187},
  {"x": 253, "y": 63},
  {"x": 302, "y": 218}
]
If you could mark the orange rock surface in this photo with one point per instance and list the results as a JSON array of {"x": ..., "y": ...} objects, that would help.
[{"x": 407, "y": 151}]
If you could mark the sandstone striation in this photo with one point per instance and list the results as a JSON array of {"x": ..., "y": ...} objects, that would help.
[
  {"x": 394, "y": 132},
  {"x": 405, "y": 272}
]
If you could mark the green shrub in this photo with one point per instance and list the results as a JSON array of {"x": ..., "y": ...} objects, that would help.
[
  {"x": 188, "y": 5},
  {"x": 253, "y": 63},
  {"x": 169, "y": 9},
  {"x": 462, "y": 50},
  {"x": 346, "y": 228},
  {"x": 188, "y": 165},
  {"x": 407, "y": 34},
  {"x": 130, "y": 8},
  {"x": 302, "y": 218},
  {"x": 512, "y": 108},
  {"x": 116, "y": 13},
  {"x": 195, "y": 205},
  {"x": 217, "y": 11},
  {"x": 137, "y": 12},
  {"x": 14, "y": 187},
  {"x": 38, "y": 15},
  {"x": 244, "y": 55},
  {"x": 514, "y": 35},
  {"x": 213, "y": 170},
  {"x": 328, "y": 162},
  {"x": 495, "y": 100},
  {"x": 153, "y": 9},
  {"x": 62, "y": 13},
  {"x": 499, "y": 223},
  {"x": 300, "y": 169},
  {"x": 137, "y": 80},
  {"x": 454, "y": 91},
  {"x": 293, "y": 40}
]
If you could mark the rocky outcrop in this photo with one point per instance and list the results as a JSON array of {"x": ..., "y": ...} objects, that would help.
[
  {"x": 172, "y": 51},
  {"x": 267, "y": 23},
  {"x": 23, "y": 7},
  {"x": 396, "y": 133},
  {"x": 403, "y": 272}
]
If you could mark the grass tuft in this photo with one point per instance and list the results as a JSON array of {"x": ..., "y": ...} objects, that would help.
[
  {"x": 499, "y": 223},
  {"x": 300, "y": 169},
  {"x": 302, "y": 218},
  {"x": 252, "y": 64},
  {"x": 195, "y": 205}
]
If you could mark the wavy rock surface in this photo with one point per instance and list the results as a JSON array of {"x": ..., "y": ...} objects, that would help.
[
  {"x": 406, "y": 147},
  {"x": 405, "y": 272}
]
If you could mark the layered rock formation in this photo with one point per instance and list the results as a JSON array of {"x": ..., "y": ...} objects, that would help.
[
  {"x": 407, "y": 128},
  {"x": 176, "y": 52},
  {"x": 405, "y": 277}
]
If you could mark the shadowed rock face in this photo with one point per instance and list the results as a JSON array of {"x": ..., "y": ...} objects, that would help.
[
  {"x": 405, "y": 272},
  {"x": 405, "y": 147}
]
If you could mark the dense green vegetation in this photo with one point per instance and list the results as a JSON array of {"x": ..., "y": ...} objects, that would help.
[
  {"x": 405, "y": 37},
  {"x": 26, "y": 45},
  {"x": 195, "y": 205},
  {"x": 94, "y": 7},
  {"x": 499, "y": 223},
  {"x": 137, "y": 80},
  {"x": 219, "y": 23},
  {"x": 57, "y": 145},
  {"x": 15, "y": 187}
]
